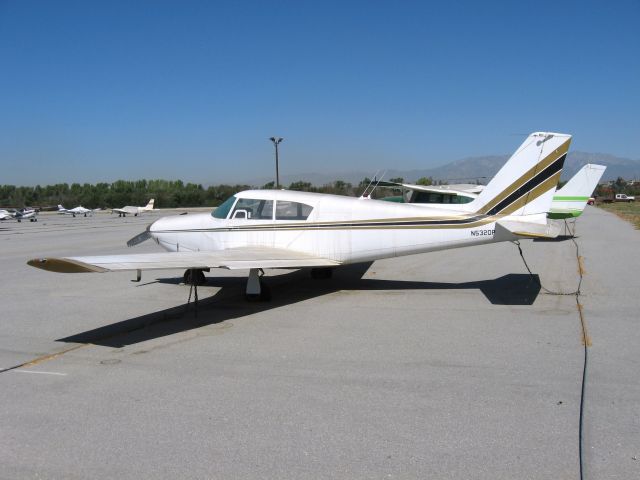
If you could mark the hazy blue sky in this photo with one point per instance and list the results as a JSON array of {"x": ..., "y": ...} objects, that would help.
[{"x": 96, "y": 91}]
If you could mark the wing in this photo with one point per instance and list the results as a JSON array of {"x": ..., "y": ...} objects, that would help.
[{"x": 232, "y": 259}]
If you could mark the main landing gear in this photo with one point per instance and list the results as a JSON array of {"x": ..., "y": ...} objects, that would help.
[
  {"x": 257, "y": 290},
  {"x": 194, "y": 277}
]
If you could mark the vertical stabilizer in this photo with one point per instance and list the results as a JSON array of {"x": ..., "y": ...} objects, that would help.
[
  {"x": 571, "y": 200},
  {"x": 149, "y": 205},
  {"x": 526, "y": 183}
]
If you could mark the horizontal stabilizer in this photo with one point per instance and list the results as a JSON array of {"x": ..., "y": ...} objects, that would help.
[{"x": 528, "y": 229}]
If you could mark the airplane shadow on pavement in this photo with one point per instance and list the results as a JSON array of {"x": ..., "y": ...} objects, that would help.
[{"x": 229, "y": 302}]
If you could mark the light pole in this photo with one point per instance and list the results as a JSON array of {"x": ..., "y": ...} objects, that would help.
[{"x": 276, "y": 141}]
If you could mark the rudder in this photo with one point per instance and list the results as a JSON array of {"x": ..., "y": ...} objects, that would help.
[{"x": 526, "y": 183}]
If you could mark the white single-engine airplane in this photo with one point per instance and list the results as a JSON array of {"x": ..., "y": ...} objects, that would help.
[
  {"x": 129, "y": 210},
  {"x": 259, "y": 229},
  {"x": 80, "y": 210}
]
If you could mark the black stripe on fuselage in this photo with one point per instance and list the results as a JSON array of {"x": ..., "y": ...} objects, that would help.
[{"x": 552, "y": 169}]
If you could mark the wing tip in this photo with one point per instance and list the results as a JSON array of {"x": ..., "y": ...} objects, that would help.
[{"x": 63, "y": 265}]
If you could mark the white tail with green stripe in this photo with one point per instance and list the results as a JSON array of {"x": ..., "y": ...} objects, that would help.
[{"x": 571, "y": 199}]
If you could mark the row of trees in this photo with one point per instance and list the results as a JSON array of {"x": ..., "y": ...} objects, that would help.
[
  {"x": 167, "y": 193},
  {"x": 620, "y": 185}
]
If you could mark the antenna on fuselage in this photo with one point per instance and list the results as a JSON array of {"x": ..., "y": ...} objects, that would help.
[
  {"x": 373, "y": 182},
  {"x": 368, "y": 185}
]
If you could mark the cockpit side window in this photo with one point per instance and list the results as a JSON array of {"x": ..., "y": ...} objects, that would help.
[
  {"x": 223, "y": 210},
  {"x": 253, "y": 209},
  {"x": 286, "y": 210}
]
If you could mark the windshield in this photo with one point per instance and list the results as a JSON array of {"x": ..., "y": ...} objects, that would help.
[{"x": 223, "y": 210}]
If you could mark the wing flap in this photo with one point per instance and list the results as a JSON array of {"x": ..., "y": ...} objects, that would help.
[{"x": 240, "y": 258}]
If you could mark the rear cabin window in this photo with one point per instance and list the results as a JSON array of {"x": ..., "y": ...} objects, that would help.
[
  {"x": 253, "y": 209},
  {"x": 286, "y": 210},
  {"x": 429, "y": 197}
]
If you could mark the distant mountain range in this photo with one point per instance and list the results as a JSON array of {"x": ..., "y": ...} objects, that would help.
[{"x": 471, "y": 168}]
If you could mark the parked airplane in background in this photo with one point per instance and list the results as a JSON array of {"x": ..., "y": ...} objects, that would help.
[
  {"x": 6, "y": 215},
  {"x": 75, "y": 211},
  {"x": 572, "y": 198},
  {"x": 259, "y": 229},
  {"x": 569, "y": 201},
  {"x": 122, "y": 212},
  {"x": 26, "y": 213}
]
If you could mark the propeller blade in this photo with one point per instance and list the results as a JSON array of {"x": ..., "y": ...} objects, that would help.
[{"x": 139, "y": 238}]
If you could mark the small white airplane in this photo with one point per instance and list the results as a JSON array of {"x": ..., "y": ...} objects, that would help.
[
  {"x": 259, "y": 229},
  {"x": 80, "y": 210},
  {"x": 569, "y": 201},
  {"x": 6, "y": 215},
  {"x": 25, "y": 213},
  {"x": 129, "y": 210}
]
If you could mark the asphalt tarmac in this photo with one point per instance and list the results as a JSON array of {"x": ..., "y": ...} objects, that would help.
[{"x": 445, "y": 365}]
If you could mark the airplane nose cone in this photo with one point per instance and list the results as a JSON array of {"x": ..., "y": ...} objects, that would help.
[
  {"x": 152, "y": 227},
  {"x": 161, "y": 224}
]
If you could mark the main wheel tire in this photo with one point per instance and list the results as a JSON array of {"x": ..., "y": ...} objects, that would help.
[
  {"x": 263, "y": 296},
  {"x": 199, "y": 278},
  {"x": 265, "y": 292}
]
